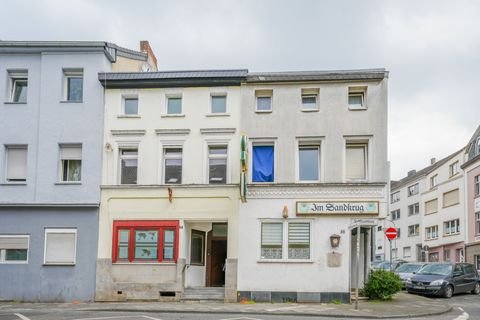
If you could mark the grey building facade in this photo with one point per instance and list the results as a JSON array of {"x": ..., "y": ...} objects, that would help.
[{"x": 51, "y": 129}]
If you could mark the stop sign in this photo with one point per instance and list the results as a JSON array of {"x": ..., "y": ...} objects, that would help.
[{"x": 391, "y": 233}]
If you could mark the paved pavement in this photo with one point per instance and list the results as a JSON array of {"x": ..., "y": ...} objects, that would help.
[{"x": 402, "y": 306}]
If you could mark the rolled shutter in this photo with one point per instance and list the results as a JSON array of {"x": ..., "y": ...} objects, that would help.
[
  {"x": 71, "y": 153},
  {"x": 60, "y": 248},
  {"x": 299, "y": 233},
  {"x": 17, "y": 164},
  {"x": 355, "y": 162},
  {"x": 450, "y": 198},
  {"x": 431, "y": 206},
  {"x": 14, "y": 242},
  {"x": 272, "y": 234}
]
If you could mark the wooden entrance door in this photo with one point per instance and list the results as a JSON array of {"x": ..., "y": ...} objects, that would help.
[{"x": 216, "y": 257}]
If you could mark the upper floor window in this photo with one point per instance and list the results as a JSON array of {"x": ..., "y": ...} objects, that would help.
[
  {"x": 219, "y": 104},
  {"x": 263, "y": 100},
  {"x": 217, "y": 164},
  {"x": 413, "y": 209},
  {"x": 356, "y": 98},
  {"x": 413, "y": 190},
  {"x": 431, "y": 232},
  {"x": 310, "y": 99},
  {"x": 407, "y": 252},
  {"x": 16, "y": 166},
  {"x": 73, "y": 85},
  {"x": 130, "y": 105},
  {"x": 128, "y": 165},
  {"x": 433, "y": 181},
  {"x": 476, "y": 182},
  {"x": 451, "y": 198},
  {"x": 356, "y": 161},
  {"x": 395, "y": 214},
  {"x": 454, "y": 168},
  {"x": 174, "y": 105},
  {"x": 431, "y": 206},
  {"x": 173, "y": 165},
  {"x": 309, "y": 162},
  {"x": 18, "y": 86},
  {"x": 70, "y": 163},
  {"x": 14, "y": 248},
  {"x": 263, "y": 163},
  {"x": 395, "y": 197},
  {"x": 477, "y": 223},
  {"x": 451, "y": 227},
  {"x": 413, "y": 230}
]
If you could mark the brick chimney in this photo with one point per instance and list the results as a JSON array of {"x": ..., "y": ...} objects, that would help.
[
  {"x": 411, "y": 173},
  {"x": 145, "y": 48}
]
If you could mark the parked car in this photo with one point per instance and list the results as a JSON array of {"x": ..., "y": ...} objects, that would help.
[
  {"x": 408, "y": 270},
  {"x": 444, "y": 279},
  {"x": 385, "y": 265}
]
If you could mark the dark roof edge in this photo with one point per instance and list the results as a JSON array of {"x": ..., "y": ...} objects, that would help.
[
  {"x": 334, "y": 75},
  {"x": 170, "y": 83},
  {"x": 471, "y": 161}
]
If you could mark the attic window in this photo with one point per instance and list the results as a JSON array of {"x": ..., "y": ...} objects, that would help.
[{"x": 356, "y": 98}]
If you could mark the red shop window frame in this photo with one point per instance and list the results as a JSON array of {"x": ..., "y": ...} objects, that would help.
[{"x": 131, "y": 225}]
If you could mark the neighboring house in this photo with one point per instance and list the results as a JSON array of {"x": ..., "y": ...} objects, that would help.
[
  {"x": 51, "y": 120},
  {"x": 471, "y": 169},
  {"x": 170, "y": 197},
  {"x": 317, "y": 163}
]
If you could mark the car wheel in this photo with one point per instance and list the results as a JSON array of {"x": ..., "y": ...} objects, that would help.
[
  {"x": 476, "y": 289},
  {"x": 448, "y": 292}
]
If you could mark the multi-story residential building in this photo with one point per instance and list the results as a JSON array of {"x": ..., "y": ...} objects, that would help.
[
  {"x": 317, "y": 171},
  {"x": 170, "y": 197},
  {"x": 471, "y": 169},
  {"x": 51, "y": 128}
]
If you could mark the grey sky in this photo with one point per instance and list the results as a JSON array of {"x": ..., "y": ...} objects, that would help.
[{"x": 431, "y": 48}]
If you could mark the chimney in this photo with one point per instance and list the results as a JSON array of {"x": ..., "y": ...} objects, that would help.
[
  {"x": 411, "y": 173},
  {"x": 432, "y": 161},
  {"x": 145, "y": 48}
]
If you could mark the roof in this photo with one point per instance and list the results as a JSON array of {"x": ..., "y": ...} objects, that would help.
[
  {"x": 333, "y": 75},
  {"x": 111, "y": 50},
  {"x": 470, "y": 149},
  {"x": 394, "y": 185},
  {"x": 172, "y": 78}
]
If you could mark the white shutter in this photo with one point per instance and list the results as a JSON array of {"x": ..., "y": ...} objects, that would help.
[
  {"x": 60, "y": 247},
  {"x": 14, "y": 242},
  {"x": 16, "y": 163},
  {"x": 299, "y": 233},
  {"x": 450, "y": 198},
  {"x": 272, "y": 234},
  {"x": 71, "y": 153},
  {"x": 355, "y": 162}
]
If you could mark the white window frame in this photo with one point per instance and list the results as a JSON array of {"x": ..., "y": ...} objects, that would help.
[
  {"x": 14, "y": 76},
  {"x": 412, "y": 190},
  {"x": 358, "y": 141},
  {"x": 123, "y": 112},
  {"x": 448, "y": 225},
  {"x": 416, "y": 230},
  {"x": 264, "y": 93},
  {"x": 410, "y": 249},
  {"x": 454, "y": 169},
  {"x": 262, "y": 142},
  {"x": 433, "y": 181},
  {"x": 357, "y": 91},
  {"x": 225, "y": 156},
  {"x": 60, "y": 230},
  {"x": 3, "y": 252},
  {"x": 174, "y": 96},
  {"x": 476, "y": 185},
  {"x": 312, "y": 142},
  {"x": 60, "y": 161},
  {"x": 165, "y": 158},
  {"x": 210, "y": 107},
  {"x": 309, "y": 93},
  {"x": 122, "y": 147},
  {"x": 395, "y": 197},
  {"x": 446, "y": 257},
  {"x": 285, "y": 223},
  {"x": 430, "y": 232},
  {"x": 395, "y": 214},
  {"x": 5, "y": 170},
  {"x": 72, "y": 73}
]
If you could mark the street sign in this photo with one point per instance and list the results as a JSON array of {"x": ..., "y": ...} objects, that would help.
[{"x": 391, "y": 233}]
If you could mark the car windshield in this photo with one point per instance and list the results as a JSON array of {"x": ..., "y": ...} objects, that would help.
[
  {"x": 409, "y": 268},
  {"x": 436, "y": 269}
]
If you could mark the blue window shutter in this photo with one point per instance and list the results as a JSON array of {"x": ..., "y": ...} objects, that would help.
[{"x": 263, "y": 160}]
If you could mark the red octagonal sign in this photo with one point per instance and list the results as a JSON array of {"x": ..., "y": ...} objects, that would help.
[{"x": 391, "y": 233}]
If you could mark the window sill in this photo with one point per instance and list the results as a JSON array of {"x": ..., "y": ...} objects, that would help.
[
  {"x": 214, "y": 115},
  {"x": 65, "y": 183},
  {"x": 310, "y": 110},
  {"x": 284, "y": 261},
  {"x": 128, "y": 116},
  {"x": 14, "y": 262},
  {"x": 71, "y": 101},
  {"x": 13, "y": 184},
  {"x": 451, "y": 234},
  {"x": 357, "y": 108},
  {"x": 180, "y": 115},
  {"x": 59, "y": 264},
  {"x": 431, "y": 239},
  {"x": 11, "y": 102},
  {"x": 263, "y": 111},
  {"x": 427, "y": 214},
  {"x": 154, "y": 263}
]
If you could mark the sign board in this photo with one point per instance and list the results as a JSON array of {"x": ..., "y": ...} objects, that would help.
[
  {"x": 363, "y": 223},
  {"x": 243, "y": 166},
  {"x": 338, "y": 208},
  {"x": 391, "y": 233}
]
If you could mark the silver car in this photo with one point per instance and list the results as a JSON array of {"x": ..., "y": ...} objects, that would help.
[{"x": 407, "y": 270}]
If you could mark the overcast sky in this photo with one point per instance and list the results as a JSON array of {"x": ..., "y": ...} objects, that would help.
[{"x": 431, "y": 48}]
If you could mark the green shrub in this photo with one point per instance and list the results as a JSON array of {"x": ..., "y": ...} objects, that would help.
[{"x": 382, "y": 285}]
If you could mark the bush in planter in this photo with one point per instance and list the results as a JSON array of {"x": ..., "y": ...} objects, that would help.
[{"x": 382, "y": 285}]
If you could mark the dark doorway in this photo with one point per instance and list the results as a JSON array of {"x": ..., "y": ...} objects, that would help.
[{"x": 216, "y": 256}]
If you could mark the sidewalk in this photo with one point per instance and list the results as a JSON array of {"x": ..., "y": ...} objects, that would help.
[{"x": 403, "y": 305}]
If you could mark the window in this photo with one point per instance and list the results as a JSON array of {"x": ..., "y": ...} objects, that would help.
[
  {"x": 395, "y": 214},
  {"x": 477, "y": 185},
  {"x": 310, "y": 99},
  {"x": 128, "y": 166},
  {"x": 398, "y": 233},
  {"x": 263, "y": 163},
  {"x": 431, "y": 233},
  {"x": 356, "y": 98},
  {"x": 264, "y": 100},
  {"x": 197, "y": 248},
  {"x": 130, "y": 106},
  {"x": 413, "y": 209},
  {"x": 294, "y": 236},
  {"x": 73, "y": 84},
  {"x": 217, "y": 164},
  {"x": 18, "y": 86},
  {"x": 173, "y": 165},
  {"x": 145, "y": 241},
  {"x": 433, "y": 181},
  {"x": 451, "y": 227},
  {"x": 395, "y": 197},
  {"x": 477, "y": 223},
  {"x": 413, "y": 190},
  {"x": 219, "y": 104},
  {"x": 379, "y": 228},
  {"x": 451, "y": 198},
  {"x": 459, "y": 255},
  {"x": 394, "y": 253},
  {"x": 16, "y": 168},
  {"x": 356, "y": 161},
  {"x": 454, "y": 168},
  {"x": 14, "y": 248},
  {"x": 431, "y": 206},
  {"x": 446, "y": 255},
  {"x": 70, "y": 163},
  {"x": 174, "y": 105},
  {"x": 309, "y": 162},
  {"x": 476, "y": 260},
  {"x": 60, "y": 246},
  {"x": 433, "y": 257},
  {"x": 413, "y": 230},
  {"x": 407, "y": 252}
]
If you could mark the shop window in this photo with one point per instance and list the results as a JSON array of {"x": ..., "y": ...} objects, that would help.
[
  {"x": 197, "y": 248},
  {"x": 433, "y": 257},
  {"x": 263, "y": 163},
  {"x": 289, "y": 241},
  {"x": 446, "y": 255},
  {"x": 60, "y": 246},
  {"x": 14, "y": 248}
]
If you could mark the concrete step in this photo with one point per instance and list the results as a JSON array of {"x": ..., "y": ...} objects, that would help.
[{"x": 204, "y": 294}]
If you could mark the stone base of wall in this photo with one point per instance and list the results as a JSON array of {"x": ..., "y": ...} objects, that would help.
[
  {"x": 300, "y": 297},
  {"x": 231, "y": 280}
]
